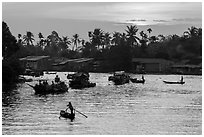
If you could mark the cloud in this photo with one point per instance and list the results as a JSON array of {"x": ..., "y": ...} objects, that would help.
[
  {"x": 187, "y": 19},
  {"x": 160, "y": 20},
  {"x": 123, "y": 23},
  {"x": 136, "y": 20}
]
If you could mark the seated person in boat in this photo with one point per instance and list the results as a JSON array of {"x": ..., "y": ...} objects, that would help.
[
  {"x": 57, "y": 79},
  {"x": 71, "y": 108}
]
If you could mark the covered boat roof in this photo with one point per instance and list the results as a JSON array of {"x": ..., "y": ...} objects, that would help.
[{"x": 33, "y": 58}]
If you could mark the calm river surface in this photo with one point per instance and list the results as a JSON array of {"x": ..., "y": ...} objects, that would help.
[{"x": 131, "y": 109}]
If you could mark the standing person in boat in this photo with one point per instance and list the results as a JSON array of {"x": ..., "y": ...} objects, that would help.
[
  {"x": 181, "y": 78},
  {"x": 57, "y": 79},
  {"x": 143, "y": 77},
  {"x": 71, "y": 108}
]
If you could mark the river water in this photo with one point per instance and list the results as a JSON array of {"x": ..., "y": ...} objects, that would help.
[{"x": 153, "y": 108}]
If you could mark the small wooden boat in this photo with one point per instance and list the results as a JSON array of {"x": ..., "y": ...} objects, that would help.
[
  {"x": 50, "y": 72},
  {"x": 57, "y": 88},
  {"x": 119, "y": 78},
  {"x": 135, "y": 80},
  {"x": 174, "y": 82},
  {"x": 67, "y": 115},
  {"x": 70, "y": 76},
  {"x": 79, "y": 84},
  {"x": 110, "y": 78},
  {"x": 80, "y": 80}
]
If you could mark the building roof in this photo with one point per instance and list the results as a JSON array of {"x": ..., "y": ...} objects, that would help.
[
  {"x": 33, "y": 58},
  {"x": 149, "y": 60},
  {"x": 186, "y": 66},
  {"x": 80, "y": 60}
]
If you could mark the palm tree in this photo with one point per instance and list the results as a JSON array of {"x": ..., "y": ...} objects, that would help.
[
  {"x": 192, "y": 32},
  {"x": 19, "y": 39},
  {"x": 143, "y": 35},
  {"x": 107, "y": 39},
  {"x": 76, "y": 40},
  {"x": 161, "y": 37},
  {"x": 116, "y": 38},
  {"x": 82, "y": 42},
  {"x": 131, "y": 35},
  {"x": 97, "y": 37},
  {"x": 65, "y": 42},
  {"x": 29, "y": 38},
  {"x": 149, "y": 30},
  {"x": 40, "y": 36}
]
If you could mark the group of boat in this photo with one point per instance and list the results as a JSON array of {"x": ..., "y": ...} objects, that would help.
[
  {"x": 77, "y": 80},
  {"x": 80, "y": 80},
  {"x": 121, "y": 77}
]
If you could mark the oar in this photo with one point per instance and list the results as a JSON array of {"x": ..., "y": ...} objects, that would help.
[
  {"x": 81, "y": 113},
  {"x": 30, "y": 85}
]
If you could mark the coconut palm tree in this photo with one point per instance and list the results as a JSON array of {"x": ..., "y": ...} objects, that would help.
[
  {"x": 192, "y": 32},
  {"x": 65, "y": 42},
  {"x": 28, "y": 38},
  {"x": 107, "y": 39},
  {"x": 116, "y": 38},
  {"x": 76, "y": 40},
  {"x": 41, "y": 40},
  {"x": 131, "y": 35},
  {"x": 97, "y": 37},
  {"x": 161, "y": 37},
  {"x": 19, "y": 39},
  {"x": 149, "y": 30}
]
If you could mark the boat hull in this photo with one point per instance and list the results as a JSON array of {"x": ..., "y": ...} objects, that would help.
[
  {"x": 50, "y": 89},
  {"x": 67, "y": 115},
  {"x": 173, "y": 82},
  {"x": 79, "y": 85},
  {"x": 137, "y": 81}
]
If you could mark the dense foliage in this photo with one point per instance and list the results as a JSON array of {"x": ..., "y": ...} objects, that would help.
[
  {"x": 10, "y": 64},
  {"x": 115, "y": 49}
]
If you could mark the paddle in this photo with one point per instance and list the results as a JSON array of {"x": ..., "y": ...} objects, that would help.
[
  {"x": 81, "y": 113},
  {"x": 30, "y": 85}
]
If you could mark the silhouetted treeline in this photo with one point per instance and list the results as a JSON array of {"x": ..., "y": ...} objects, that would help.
[
  {"x": 114, "y": 49},
  {"x": 10, "y": 63}
]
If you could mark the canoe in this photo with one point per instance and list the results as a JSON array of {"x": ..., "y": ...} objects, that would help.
[
  {"x": 67, "y": 115},
  {"x": 137, "y": 81},
  {"x": 173, "y": 82}
]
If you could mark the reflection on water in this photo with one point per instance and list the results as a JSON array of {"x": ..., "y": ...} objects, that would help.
[{"x": 139, "y": 109}]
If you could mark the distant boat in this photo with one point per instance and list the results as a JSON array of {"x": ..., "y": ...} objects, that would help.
[
  {"x": 70, "y": 76},
  {"x": 135, "y": 80},
  {"x": 51, "y": 72},
  {"x": 80, "y": 80},
  {"x": 119, "y": 78},
  {"x": 174, "y": 82}
]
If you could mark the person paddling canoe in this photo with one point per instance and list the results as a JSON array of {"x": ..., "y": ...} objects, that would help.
[{"x": 71, "y": 108}]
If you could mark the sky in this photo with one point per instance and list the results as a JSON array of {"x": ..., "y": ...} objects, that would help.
[{"x": 69, "y": 18}]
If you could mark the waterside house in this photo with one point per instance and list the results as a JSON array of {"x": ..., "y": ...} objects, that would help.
[
  {"x": 187, "y": 69},
  {"x": 35, "y": 63},
  {"x": 151, "y": 65},
  {"x": 81, "y": 64}
]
